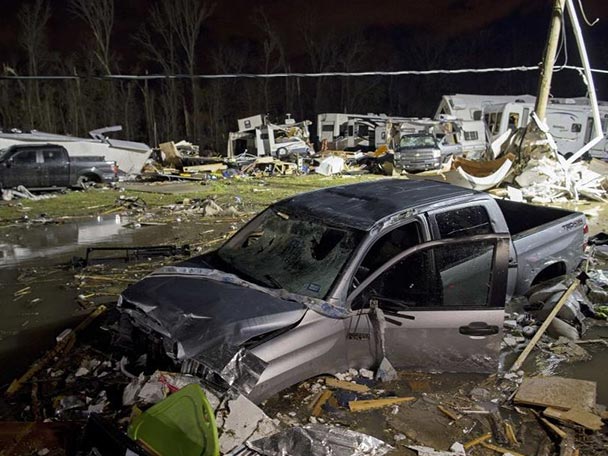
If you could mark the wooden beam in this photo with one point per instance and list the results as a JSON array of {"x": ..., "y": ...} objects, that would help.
[{"x": 522, "y": 357}]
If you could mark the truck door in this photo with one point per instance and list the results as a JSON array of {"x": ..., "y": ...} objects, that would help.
[
  {"x": 443, "y": 302},
  {"x": 56, "y": 169},
  {"x": 23, "y": 169},
  {"x": 362, "y": 345}
]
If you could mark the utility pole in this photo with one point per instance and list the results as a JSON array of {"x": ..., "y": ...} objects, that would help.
[{"x": 546, "y": 70}]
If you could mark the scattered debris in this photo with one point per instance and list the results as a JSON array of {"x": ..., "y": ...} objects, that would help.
[
  {"x": 557, "y": 392},
  {"x": 317, "y": 439}
]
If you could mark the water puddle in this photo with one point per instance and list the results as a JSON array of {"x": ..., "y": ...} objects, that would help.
[{"x": 37, "y": 299}]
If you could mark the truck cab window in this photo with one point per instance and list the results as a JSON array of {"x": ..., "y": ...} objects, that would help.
[
  {"x": 26, "y": 157},
  {"x": 450, "y": 276},
  {"x": 52, "y": 156},
  {"x": 465, "y": 221},
  {"x": 391, "y": 244}
]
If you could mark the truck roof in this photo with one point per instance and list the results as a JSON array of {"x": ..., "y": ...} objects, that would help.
[{"x": 361, "y": 205}]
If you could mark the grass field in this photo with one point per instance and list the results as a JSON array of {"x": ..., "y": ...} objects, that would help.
[{"x": 254, "y": 193}]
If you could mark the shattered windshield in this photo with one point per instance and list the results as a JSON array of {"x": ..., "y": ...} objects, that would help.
[
  {"x": 409, "y": 141},
  {"x": 282, "y": 251},
  {"x": 3, "y": 153}
]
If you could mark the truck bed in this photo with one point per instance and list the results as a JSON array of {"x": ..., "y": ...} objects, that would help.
[
  {"x": 521, "y": 217},
  {"x": 548, "y": 241}
]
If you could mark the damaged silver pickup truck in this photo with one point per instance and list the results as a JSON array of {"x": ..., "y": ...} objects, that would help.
[{"x": 413, "y": 272}]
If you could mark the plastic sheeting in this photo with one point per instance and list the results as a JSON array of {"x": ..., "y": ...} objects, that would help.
[
  {"x": 319, "y": 440},
  {"x": 330, "y": 165},
  {"x": 237, "y": 367}
]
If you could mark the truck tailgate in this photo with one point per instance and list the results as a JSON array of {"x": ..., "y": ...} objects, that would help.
[{"x": 557, "y": 244}]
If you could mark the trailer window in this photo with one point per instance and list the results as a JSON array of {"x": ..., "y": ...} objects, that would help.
[
  {"x": 513, "y": 120},
  {"x": 471, "y": 136},
  {"x": 576, "y": 128}
]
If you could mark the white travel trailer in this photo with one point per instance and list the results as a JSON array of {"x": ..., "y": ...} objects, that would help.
[
  {"x": 570, "y": 122},
  {"x": 365, "y": 131},
  {"x": 259, "y": 137},
  {"x": 470, "y": 107}
]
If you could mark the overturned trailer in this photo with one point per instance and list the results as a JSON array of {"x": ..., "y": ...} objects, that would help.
[
  {"x": 129, "y": 156},
  {"x": 259, "y": 137}
]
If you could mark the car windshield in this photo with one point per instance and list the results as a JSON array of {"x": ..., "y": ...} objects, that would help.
[
  {"x": 410, "y": 141},
  {"x": 299, "y": 255}
]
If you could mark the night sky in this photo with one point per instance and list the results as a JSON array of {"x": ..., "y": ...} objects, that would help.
[
  {"x": 232, "y": 20},
  {"x": 357, "y": 35}
]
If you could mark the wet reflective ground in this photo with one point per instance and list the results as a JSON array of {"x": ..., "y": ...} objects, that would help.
[{"x": 37, "y": 294}]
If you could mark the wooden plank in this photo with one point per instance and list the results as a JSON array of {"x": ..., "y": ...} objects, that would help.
[
  {"x": 557, "y": 392},
  {"x": 522, "y": 357},
  {"x": 555, "y": 429},
  {"x": 320, "y": 402},
  {"x": 209, "y": 168},
  {"x": 511, "y": 434},
  {"x": 335, "y": 383},
  {"x": 477, "y": 441},
  {"x": 499, "y": 449},
  {"x": 449, "y": 413},
  {"x": 577, "y": 416},
  {"x": 359, "y": 406}
]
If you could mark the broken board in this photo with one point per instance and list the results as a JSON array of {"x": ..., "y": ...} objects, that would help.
[
  {"x": 335, "y": 383},
  {"x": 359, "y": 406},
  {"x": 577, "y": 416},
  {"x": 209, "y": 168},
  {"x": 557, "y": 392}
]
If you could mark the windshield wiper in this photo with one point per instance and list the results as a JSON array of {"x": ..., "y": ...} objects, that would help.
[{"x": 275, "y": 283}]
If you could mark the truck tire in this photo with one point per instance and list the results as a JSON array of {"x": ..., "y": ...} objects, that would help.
[{"x": 85, "y": 182}]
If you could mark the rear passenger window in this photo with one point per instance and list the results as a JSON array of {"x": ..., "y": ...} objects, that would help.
[
  {"x": 52, "y": 156},
  {"x": 466, "y": 221}
]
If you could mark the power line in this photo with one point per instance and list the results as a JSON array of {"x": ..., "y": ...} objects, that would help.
[{"x": 295, "y": 75}]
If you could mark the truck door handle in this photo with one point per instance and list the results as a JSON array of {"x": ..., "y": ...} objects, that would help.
[{"x": 478, "y": 328}]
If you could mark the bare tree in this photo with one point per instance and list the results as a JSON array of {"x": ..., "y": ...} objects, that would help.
[
  {"x": 173, "y": 32},
  {"x": 186, "y": 21},
  {"x": 274, "y": 55},
  {"x": 99, "y": 16},
  {"x": 323, "y": 50},
  {"x": 33, "y": 18}
]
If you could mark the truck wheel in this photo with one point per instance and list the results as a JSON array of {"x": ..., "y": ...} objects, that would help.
[{"x": 84, "y": 182}]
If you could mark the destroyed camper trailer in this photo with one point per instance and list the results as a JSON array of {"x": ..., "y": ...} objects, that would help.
[
  {"x": 413, "y": 273},
  {"x": 570, "y": 122},
  {"x": 258, "y": 137},
  {"x": 470, "y": 107},
  {"x": 358, "y": 131},
  {"x": 129, "y": 156}
]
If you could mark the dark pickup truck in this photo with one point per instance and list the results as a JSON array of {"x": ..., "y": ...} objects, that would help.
[{"x": 37, "y": 166}]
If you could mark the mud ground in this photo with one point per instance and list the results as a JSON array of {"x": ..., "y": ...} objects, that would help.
[{"x": 42, "y": 293}]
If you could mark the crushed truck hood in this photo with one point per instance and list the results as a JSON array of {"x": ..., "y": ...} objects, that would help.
[{"x": 200, "y": 309}]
